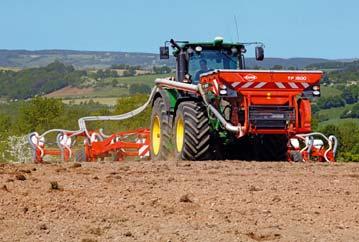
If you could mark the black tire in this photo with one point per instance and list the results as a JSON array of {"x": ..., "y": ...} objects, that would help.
[
  {"x": 80, "y": 156},
  {"x": 196, "y": 138},
  {"x": 164, "y": 119},
  {"x": 295, "y": 156}
]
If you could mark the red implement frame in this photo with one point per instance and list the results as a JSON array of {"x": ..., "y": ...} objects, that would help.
[
  {"x": 118, "y": 146},
  {"x": 275, "y": 88},
  {"x": 259, "y": 88}
]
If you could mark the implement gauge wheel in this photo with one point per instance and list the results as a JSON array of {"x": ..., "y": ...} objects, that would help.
[
  {"x": 80, "y": 155},
  {"x": 192, "y": 132},
  {"x": 160, "y": 131},
  {"x": 295, "y": 156}
]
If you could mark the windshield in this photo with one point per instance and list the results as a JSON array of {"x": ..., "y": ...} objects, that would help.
[{"x": 209, "y": 60}]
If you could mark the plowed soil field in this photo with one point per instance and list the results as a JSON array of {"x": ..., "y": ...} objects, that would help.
[{"x": 179, "y": 201}]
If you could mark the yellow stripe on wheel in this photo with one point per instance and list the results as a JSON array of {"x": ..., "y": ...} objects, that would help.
[
  {"x": 179, "y": 134},
  {"x": 156, "y": 135}
]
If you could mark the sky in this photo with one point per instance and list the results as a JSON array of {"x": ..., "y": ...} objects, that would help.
[{"x": 289, "y": 28}]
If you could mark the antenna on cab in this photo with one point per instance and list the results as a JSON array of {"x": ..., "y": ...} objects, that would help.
[{"x": 236, "y": 23}]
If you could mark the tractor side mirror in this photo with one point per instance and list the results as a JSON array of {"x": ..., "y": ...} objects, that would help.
[
  {"x": 164, "y": 52},
  {"x": 259, "y": 53}
]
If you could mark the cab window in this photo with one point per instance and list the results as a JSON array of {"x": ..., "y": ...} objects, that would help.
[{"x": 209, "y": 60}]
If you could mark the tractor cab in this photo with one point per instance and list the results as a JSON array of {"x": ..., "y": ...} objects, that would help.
[{"x": 195, "y": 59}]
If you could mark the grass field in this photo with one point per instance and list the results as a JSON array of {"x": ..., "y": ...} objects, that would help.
[
  {"x": 338, "y": 121},
  {"x": 107, "y": 91},
  {"x": 144, "y": 79},
  {"x": 332, "y": 113},
  {"x": 110, "y": 101},
  {"x": 334, "y": 116},
  {"x": 10, "y": 68},
  {"x": 329, "y": 91}
]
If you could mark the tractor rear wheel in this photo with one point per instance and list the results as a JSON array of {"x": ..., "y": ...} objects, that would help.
[
  {"x": 160, "y": 131},
  {"x": 192, "y": 132}
]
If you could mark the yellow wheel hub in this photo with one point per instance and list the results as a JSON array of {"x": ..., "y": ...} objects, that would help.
[
  {"x": 156, "y": 135},
  {"x": 179, "y": 134}
]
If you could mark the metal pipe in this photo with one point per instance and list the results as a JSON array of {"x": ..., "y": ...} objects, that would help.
[
  {"x": 228, "y": 126},
  {"x": 178, "y": 85},
  {"x": 335, "y": 142},
  {"x": 82, "y": 121}
]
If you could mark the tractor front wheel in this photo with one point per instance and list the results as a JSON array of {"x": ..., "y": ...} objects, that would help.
[
  {"x": 192, "y": 132},
  {"x": 160, "y": 131}
]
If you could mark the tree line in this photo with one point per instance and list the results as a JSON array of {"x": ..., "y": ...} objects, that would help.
[{"x": 38, "y": 81}]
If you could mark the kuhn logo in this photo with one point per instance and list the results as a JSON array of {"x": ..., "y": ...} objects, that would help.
[{"x": 250, "y": 77}]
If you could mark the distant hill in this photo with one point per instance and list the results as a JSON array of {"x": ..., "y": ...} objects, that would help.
[
  {"x": 286, "y": 63},
  {"x": 79, "y": 59},
  {"x": 104, "y": 59}
]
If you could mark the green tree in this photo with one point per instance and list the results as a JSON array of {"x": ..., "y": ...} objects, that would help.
[
  {"x": 40, "y": 114},
  {"x": 129, "y": 72},
  {"x": 139, "y": 88},
  {"x": 277, "y": 67},
  {"x": 114, "y": 83},
  {"x": 162, "y": 70}
]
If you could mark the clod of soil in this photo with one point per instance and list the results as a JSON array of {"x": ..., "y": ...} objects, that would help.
[
  {"x": 254, "y": 189},
  {"x": 96, "y": 231},
  {"x": 4, "y": 187},
  {"x": 54, "y": 185},
  {"x": 25, "y": 171},
  {"x": 89, "y": 240},
  {"x": 276, "y": 199},
  {"x": 263, "y": 237},
  {"x": 61, "y": 169},
  {"x": 76, "y": 165},
  {"x": 128, "y": 234},
  {"x": 185, "y": 199},
  {"x": 20, "y": 177},
  {"x": 25, "y": 209},
  {"x": 43, "y": 227}
]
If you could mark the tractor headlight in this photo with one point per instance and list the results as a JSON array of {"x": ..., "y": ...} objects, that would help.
[
  {"x": 198, "y": 49},
  {"x": 316, "y": 91},
  {"x": 223, "y": 89},
  {"x": 234, "y": 50},
  {"x": 223, "y": 92}
]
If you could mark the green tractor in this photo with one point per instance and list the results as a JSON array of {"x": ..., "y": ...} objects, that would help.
[{"x": 180, "y": 122}]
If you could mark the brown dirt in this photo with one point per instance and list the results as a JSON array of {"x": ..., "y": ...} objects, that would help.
[
  {"x": 180, "y": 201},
  {"x": 71, "y": 91}
]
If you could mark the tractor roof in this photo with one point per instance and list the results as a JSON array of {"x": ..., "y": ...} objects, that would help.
[
  {"x": 185, "y": 45},
  {"x": 216, "y": 44}
]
